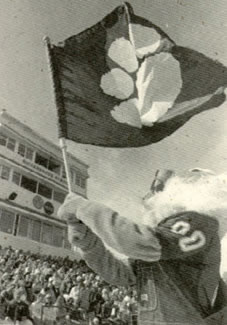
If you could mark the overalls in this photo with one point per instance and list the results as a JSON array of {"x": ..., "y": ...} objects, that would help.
[{"x": 165, "y": 299}]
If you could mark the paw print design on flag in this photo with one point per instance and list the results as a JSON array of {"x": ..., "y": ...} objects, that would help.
[
  {"x": 124, "y": 82},
  {"x": 146, "y": 80}
]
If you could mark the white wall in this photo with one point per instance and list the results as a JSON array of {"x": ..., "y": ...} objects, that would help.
[
  {"x": 26, "y": 244},
  {"x": 24, "y": 197}
]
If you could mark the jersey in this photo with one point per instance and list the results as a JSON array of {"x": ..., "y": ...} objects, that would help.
[{"x": 181, "y": 287}]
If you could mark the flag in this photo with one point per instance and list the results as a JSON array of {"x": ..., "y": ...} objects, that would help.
[{"x": 125, "y": 83}]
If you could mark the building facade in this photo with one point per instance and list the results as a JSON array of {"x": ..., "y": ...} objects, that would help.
[{"x": 33, "y": 186}]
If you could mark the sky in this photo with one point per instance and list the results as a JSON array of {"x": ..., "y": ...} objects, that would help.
[{"x": 118, "y": 177}]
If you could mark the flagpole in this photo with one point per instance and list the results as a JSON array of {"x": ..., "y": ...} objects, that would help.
[
  {"x": 63, "y": 146},
  {"x": 59, "y": 106}
]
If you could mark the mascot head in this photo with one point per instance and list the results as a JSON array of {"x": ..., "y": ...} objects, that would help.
[{"x": 198, "y": 190}]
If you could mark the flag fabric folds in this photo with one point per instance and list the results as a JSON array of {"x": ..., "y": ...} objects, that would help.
[{"x": 125, "y": 83}]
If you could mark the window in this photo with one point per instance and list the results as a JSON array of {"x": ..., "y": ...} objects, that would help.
[
  {"x": 59, "y": 196},
  {"x": 47, "y": 231},
  {"x": 83, "y": 182},
  {"x": 44, "y": 191},
  {"x": 29, "y": 184},
  {"x": 21, "y": 149},
  {"x": 58, "y": 236},
  {"x": 16, "y": 178},
  {"x": 25, "y": 152},
  {"x": 29, "y": 154},
  {"x": 80, "y": 181},
  {"x": 67, "y": 244},
  {"x": 49, "y": 163},
  {"x": 3, "y": 139},
  {"x": 5, "y": 172},
  {"x": 7, "y": 221},
  {"x": 36, "y": 230},
  {"x": 54, "y": 166},
  {"x": 23, "y": 226},
  {"x": 41, "y": 160},
  {"x": 11, "y": 144}
]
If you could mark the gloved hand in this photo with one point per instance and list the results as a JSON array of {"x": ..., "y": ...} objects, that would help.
[
  {"x": 76, "y": 229},
  {"x": 68, "y": 209}
]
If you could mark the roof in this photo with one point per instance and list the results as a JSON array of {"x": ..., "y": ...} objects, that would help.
[{"x": 4, "y": 115}]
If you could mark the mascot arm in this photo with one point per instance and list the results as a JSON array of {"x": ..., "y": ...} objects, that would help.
[
  {"x": 98, "y": 257},
  {"x": 113, "y": 270},
  {"x": 186, "y": 234},
  {"x": 128, "y": 238}
]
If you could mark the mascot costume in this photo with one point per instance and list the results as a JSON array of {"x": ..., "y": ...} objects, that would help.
[{"x": 173, "y": 251}]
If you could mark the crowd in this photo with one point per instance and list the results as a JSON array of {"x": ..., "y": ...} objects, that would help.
[{"x": 51, "y": 290}]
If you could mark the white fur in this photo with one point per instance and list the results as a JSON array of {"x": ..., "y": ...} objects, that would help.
[{"x": 199, "y": 191}]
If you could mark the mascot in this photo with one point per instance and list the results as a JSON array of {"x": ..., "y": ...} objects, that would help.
[{"x": 173, "y": 251}]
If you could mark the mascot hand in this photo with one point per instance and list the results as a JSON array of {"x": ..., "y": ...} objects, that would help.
[
  {"x": 68, "y": 209},
  {"x": 76, "y": 229}
]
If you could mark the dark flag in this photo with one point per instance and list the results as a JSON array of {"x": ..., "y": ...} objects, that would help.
[{"x": 124, "y": 83}]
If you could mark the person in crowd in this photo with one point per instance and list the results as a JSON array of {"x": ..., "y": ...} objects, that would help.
[
  {"x": 106, "y": 308},
  {"x": 49, "y": 312},
  {"x": 28, "y": 288},
  {"x": 97, "y": 320},
  {"x": 95, "y": 300},
  {"x": 84, "y": 299},
  {"x": 66, "y": 277},
  {"x": 115, "y": 311},
  {"x": 125, "y": 309},
  {"x": 76, "y": 289},
  {"x": 3, "y": 303},
  {"x": 18, "y": 310},
  {"x": 173, "y": 249},
  {"x": 72, "y": 310},
  {"x": 36, "y": 309},
  {"x": 61, "y": 310}
]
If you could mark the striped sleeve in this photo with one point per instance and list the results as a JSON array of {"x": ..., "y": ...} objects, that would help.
[
  {"x": 136, "y": 241},
  {"x": 112, "y": 269}
]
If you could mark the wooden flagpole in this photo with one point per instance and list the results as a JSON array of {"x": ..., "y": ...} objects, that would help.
[{"x": 58, "y": 103}]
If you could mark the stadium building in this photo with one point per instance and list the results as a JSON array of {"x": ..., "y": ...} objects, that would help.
[{"x": 33, "y": 186}]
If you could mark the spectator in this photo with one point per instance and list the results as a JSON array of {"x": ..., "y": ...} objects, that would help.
[
  {"x": 106, "y": 308},
  {"x": 84, "y": 300},
  {"x": 49, "y": 313},
  {"x": 61, "y": 310},
  {"x": 72, "y": 310},
  {"x": 55, "y": 290},
  {"x": 36, "y": 309},
  {"x": 97, "y": 321},
  {"x": 76, "y": 289},
  {"x": 18, "y": 310},
  {"x": 95, "y": 299}
]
